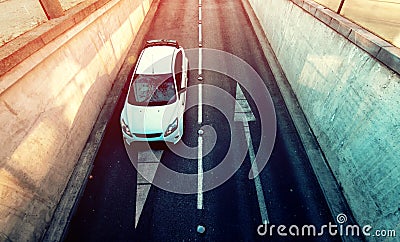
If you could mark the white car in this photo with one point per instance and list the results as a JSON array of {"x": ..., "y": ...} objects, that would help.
[{"x": 155, "y": 104}]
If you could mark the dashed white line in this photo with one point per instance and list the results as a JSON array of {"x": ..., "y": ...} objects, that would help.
[
  {"x": 200, "y": 107},
  {"x": 200, "y": 120},
  {"x": 200, "y": 35},
  {"x": 200, "y": 60},
  {"x": 200, "y": 13}
]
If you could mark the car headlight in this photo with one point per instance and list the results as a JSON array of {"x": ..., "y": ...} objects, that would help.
[
  {"x": 125, "y": 128},
  {"x": 171, "y": 128}
]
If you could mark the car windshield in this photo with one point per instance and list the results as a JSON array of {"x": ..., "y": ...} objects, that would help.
[{"x": 152, "y": 90}]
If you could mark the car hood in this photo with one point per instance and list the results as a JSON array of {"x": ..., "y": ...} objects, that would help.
[{"x": 149, "y": 119}]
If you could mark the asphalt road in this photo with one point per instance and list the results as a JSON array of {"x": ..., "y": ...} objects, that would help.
[{"x": 115, "y": 205}]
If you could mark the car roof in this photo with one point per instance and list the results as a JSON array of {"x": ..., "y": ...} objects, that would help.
[{"x": 156, "y": 60}]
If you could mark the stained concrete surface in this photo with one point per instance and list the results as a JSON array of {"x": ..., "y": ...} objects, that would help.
[
  {"x": 351, "y": 102},
  {"x": 380, "y": 17},
  {"x": 19, "y": 16}
]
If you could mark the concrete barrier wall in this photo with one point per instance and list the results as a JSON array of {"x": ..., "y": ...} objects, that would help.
[
  {"x": 49, "y": 102},
  {"x": 347, "y": 83}
]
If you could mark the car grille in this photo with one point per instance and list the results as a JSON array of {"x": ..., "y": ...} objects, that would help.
[{"x": 155, "y": 135}]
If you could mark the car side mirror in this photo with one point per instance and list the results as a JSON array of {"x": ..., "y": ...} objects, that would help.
[{"x": 182, "y": 90}]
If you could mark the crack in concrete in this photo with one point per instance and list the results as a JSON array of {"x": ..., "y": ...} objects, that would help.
[{"x": 8, "y": 106}]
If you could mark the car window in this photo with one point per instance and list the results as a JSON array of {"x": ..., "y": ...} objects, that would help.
[
  {"x": 178, "y": 69},
  {"x": 152, "y": 90}
]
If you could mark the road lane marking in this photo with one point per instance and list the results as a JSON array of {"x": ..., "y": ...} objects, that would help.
[
  {"x": 200, "y": 28},
  {"x": 243, "y": 111},
  {"x": 200, "y": 61},
  {"x": 142, "y": 191},
  {"x": 200, "y": 13},
  {"x": 200, "y": 35},
  {"x": 147, "y": 165},
  {"x": 200, "y": 173},
  {"x": 257, "y": 182},
  {"x": 200, "y": 119},
  {"x": 200, "y": 107},
  {"x": 150, "y": 156},
  {"x": 244, "y": 114}
]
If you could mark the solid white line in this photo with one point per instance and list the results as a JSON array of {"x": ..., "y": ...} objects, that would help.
[
  {"x": 257, "y": 182},
  {"x": 200, "y": 107},
  {"x": 200, "y": 173}
]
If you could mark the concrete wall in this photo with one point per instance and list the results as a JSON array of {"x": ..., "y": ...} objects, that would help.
[
  {"x": 347, "y": 83},
  {"x": 49, "y": 101}
]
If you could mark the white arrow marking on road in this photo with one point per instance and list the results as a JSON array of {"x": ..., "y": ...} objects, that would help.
[
  {"x": 148, "y": 162},
  {"x": 244, "y": 114},
  {"x": 243, "y": 111}
]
